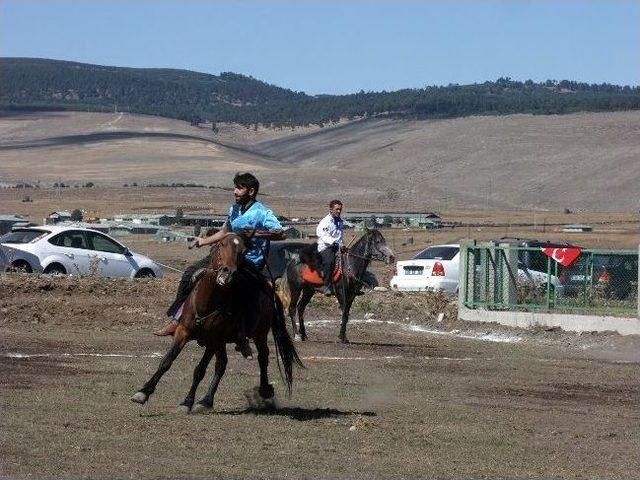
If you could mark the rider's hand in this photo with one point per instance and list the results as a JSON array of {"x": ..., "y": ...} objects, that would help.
[{"x": 197, "y": 244}]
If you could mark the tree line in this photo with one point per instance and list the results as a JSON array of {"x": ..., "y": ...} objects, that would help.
[{"x": 40, "y": 84}]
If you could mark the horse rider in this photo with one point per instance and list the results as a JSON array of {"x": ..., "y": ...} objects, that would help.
[
  {"x": 330, "y": 233},
  {"x": 245, "y": 214}
]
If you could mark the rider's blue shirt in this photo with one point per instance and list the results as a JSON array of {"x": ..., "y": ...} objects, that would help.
[{"x": 256, "y": 217}]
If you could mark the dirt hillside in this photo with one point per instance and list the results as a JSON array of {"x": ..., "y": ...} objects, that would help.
[{"x": 585, "y": 161}]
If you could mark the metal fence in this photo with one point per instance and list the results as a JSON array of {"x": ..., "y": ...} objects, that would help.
[{"x": 509, "y": 277}]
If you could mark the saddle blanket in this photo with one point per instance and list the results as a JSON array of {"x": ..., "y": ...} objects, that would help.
[{"x": 313, "y": 276}]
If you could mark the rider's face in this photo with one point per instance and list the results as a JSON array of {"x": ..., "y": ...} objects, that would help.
[
  {"x": 336, "y": 210},
  {"x": 243, "y": 194}
]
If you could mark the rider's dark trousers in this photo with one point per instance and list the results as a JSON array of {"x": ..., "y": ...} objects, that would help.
[
  {"x": 184, "y": 287},
  {"x": 328, "y": 264}
]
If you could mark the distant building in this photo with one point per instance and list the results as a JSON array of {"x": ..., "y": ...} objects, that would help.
[
  {"x": 56, "y": 217},
  {"x": 173, "y": 236},
  {"x": 204, "y": 220},
  {"x": 149, "y": 219},
  {"x": 390, "y": 219},
  {"x": 577, "y": 228}
]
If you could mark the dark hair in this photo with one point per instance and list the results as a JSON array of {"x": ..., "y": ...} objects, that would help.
[
  {"x": 247, "y": 180},
  {"x": 333, "y": 203}
]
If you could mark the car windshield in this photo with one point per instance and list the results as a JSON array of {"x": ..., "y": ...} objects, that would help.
[
  {"x": 22, "y": 236},
  {"x": 437, "y": 253}
]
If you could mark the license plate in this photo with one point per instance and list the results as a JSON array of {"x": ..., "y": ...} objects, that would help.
[{"x": 413, "y": 270}]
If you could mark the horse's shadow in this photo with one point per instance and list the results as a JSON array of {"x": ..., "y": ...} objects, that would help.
[
  {"x": 298, "y": 413},
  {"x": 373, "y": 344}
]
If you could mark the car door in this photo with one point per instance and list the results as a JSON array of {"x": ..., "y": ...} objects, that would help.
[
  {"x": 71, "y": 249},
  {"x": 109, "y": 256}
]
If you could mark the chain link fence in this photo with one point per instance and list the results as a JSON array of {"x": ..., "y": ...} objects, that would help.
[{"x": 509, "y": 277}]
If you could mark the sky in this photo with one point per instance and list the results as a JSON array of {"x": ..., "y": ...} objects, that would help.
[{"x": 339, "y": 47}]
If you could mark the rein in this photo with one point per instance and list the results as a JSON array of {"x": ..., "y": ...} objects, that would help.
[{"x": 199, "y": 320}]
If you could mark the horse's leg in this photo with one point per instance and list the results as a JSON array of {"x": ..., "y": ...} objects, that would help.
[
  {"x": 293, "y": 305},
  {"x": 206, "y": 403},
  {"x": 198, "y": 375},
  {"x": 265, "y": 389},
  {"x": 307, "y": 293},
  {"x": 346, "y": 307},
  {"x": 180, "y": 339}
]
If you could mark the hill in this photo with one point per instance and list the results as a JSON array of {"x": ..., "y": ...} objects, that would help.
[
  {"x": 40, "y": 84},
  {"x": 583, "y": 161}
]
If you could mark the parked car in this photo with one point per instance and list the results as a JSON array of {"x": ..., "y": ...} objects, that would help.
[
  {"x": 71, "y": 250},
  {"x": 437, "y": 268},
  {"x": 434, "y": 268},
  {"x": 533, "y": 263},
  {"x": 615, "y": 275}
]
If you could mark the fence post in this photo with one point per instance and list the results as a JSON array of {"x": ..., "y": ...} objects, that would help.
[
  {"x": 509, "y": 273},
  {"x": 488, "y": 279},
  {"x": 466, "y": 274}
]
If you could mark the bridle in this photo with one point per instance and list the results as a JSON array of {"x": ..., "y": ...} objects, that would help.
[{"x": 214, "y": 268}]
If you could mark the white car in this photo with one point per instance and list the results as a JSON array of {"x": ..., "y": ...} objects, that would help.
[
  {"x": 71, "y": 250},
  {"x": 437, "y": 268},
  {"x": 434, "y": 268}
]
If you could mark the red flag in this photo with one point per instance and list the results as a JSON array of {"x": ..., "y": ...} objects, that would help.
[{"x": 564, "y": 256}]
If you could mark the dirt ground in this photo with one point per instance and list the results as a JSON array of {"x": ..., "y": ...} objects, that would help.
[{"x": 408, "y": 398}]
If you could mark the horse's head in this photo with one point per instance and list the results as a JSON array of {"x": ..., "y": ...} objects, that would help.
[
  {"x": 377, "y": 247},
  {"x": 230, "y": 250}
]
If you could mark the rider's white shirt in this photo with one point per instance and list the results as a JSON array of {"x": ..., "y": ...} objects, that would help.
[{"x": 328, "y": 232}]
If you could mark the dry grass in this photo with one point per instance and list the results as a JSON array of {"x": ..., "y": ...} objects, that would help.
[
  {"x": 585, "y": 162},
  {"x": 396, "y": 403}
]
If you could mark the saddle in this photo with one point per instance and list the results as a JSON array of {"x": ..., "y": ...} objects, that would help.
[{"x": 312, "y": 276}]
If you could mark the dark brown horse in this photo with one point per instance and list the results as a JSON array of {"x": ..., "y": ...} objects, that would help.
[
  {"x": 296, "y": 292},
  {"x": 208, "y": 316}
]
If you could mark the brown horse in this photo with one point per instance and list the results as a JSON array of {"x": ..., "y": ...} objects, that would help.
[
  {"x": 208, "y": 316},
  {"x": 296, "y": 292}
]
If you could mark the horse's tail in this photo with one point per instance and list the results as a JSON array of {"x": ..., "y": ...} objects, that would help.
[
  {"x": 283, "y": 289},
  {"x": 285, "y": 350}
]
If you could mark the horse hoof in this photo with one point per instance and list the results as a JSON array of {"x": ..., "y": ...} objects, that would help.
[
  {"x": 257, "y": 402},
  {"x": 297, "y": 338},
  {"x": 140, "y": 397},
  {"x": 345, "y": 340},
  {"x": 266, "y": 392},
  {"x": 183, "y": 409},
  {"x": 201, "y": 408}
]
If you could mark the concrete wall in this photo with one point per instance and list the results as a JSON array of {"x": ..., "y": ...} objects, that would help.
[{"x": 575, "y": 323}]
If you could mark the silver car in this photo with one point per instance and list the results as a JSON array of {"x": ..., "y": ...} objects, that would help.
[{"x": 72, "y": 250}]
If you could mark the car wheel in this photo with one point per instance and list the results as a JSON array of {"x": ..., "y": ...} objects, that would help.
[
  {"x": 145, "y": 273},
  {"x": 20, "y": 266},
  {"x": 55, "y": 269}
]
